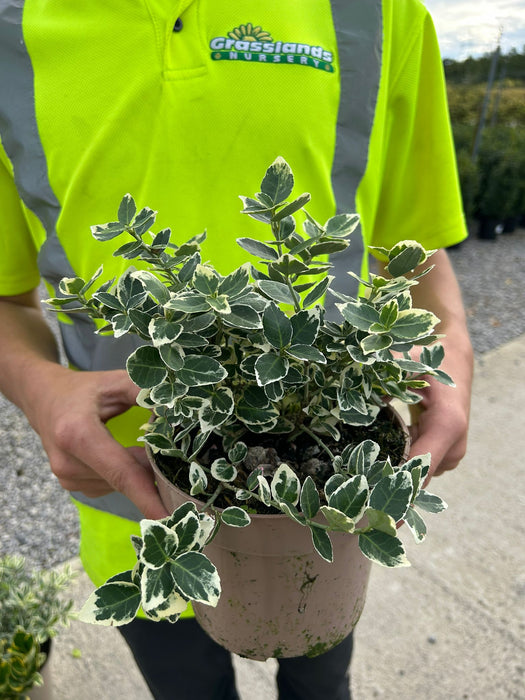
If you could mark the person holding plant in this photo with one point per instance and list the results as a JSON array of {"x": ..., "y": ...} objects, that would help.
[{"x": 182, "y": 107}]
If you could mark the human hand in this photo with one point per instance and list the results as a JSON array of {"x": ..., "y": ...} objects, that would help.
[
  {"x": 440, "y": 420},
  {"x": 440, "y": 424},
  {"x": 69, "y": 413}
]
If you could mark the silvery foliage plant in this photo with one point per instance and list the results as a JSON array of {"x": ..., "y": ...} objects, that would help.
[{"x": 251, "y": 353}]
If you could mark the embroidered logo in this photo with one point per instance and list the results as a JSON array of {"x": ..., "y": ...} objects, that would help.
[{"x": 249, "y": 43}]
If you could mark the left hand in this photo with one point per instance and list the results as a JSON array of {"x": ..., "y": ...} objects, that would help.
[
  {"x": 440, "y": 425},
  {"x": 440, "y": 420}
]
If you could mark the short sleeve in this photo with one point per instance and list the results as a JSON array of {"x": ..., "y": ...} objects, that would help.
[
  {"x": 418, "y": 195},
  {"x": 18, "y": 256}
]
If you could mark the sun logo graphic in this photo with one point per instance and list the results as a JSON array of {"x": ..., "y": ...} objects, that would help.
[
  {"x": 247, "y": 32},
  {"x": 253, "y": 44}
]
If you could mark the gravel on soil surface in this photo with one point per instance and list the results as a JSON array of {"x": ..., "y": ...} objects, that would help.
[{"x": 37, "y": 518}]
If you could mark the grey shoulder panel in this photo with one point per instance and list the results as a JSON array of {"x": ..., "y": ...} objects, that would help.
[
  {"x": 359, "y": 32},
  {"x": 18, "y": 126},
  {"x": 21, "y": 140}
]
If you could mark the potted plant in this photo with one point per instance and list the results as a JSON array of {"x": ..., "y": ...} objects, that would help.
[
  {"x": 270, "y": 435},
  {"x": 32, "y": 608}
]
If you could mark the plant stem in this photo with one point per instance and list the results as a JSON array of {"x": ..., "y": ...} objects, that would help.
[
  {"x": 318, "y": 440},
  {"x": 212, "y": 498},
  {"x": 297, "y": 306}
]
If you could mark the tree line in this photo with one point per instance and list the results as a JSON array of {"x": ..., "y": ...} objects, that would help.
[{"x": 489, "y": 134}]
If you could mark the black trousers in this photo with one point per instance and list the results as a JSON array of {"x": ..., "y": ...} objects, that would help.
[{"x": 181, "y": 662}]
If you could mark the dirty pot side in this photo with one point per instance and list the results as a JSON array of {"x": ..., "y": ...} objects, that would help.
[{"x": 279, "y": 597}]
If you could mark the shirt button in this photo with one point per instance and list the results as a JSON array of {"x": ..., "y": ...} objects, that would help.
[{"x": 177, "y": 27}]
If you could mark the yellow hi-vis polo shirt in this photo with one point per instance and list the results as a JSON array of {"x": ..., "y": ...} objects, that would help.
[{"x": 184, "y": 105}]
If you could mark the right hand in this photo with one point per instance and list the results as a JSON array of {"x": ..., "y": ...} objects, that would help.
[{"x": 70, "y": 413}]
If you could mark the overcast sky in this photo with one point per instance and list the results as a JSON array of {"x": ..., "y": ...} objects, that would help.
[{"x": 471, "y": 27}]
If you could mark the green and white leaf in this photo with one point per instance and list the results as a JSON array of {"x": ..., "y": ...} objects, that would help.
[
  {"x": 277, "y": 326},
  {"x": 278, "y": 181},
  {"x": 337, "y": 521},
  {"x": 264, "y": 490},
  {"x": 318, "y": 291},
  {"x": 196, "y": 578},
  {"x": 159, "y": 543},
  {"x": 206, "y": 529},
  {"x": 105, "y": 232},
  {"x": 188, "y": 302},
  {"x": 270, "y": 367},
  {"x": 200, "y": 370},
  {"x": 145, "y": 367},
  {"x": 255, "y": 247},
  {"x": 359, "y": 314},
  {"x": 219, "y": 303},
  {"x": 242, "y": 316},
  {"x": 156, "y": 587},
  {"x": 351, "y": 400},
  {"x": 350, "y": 497},
  {"x": 309, "y": 500},
  {"x": 383, "y": 549},
  {"x": 222, "y": 470},
  {"x": 414, "y": 323},
  {"x": 392, "y": 495},
  {"x": 172, "y": 355},
  {"x": 187, "y": 530},
  {"x": 353, "y": 417},
  {"x": 278, "y": 291},
  {"x": 322, "y": 542},
  {"x": 163, "y": 332},
  {"x": 429, "y": 502},
  {"x": 236, "y": 282},
  {"x": 127, "y": 210},
  {"x": 407, "y": 255},
  {"x": 169, "y": 609},
  {"x": 144, "y": 220},
  {"x": 341, "y": 225},
  {"x": 198, "y": 479},
  {"x": 375, "y": 343},
  {"x": 305, "y": 326},
  {"x": 378, "y": 520},
  {"x": 292, "y": 513},
  {"x": 113, "y": 604},
  {"x": 292, "y": 207},
  {"x": 153, "y": 285},
  {"x": 235, "y": 517},
  {"x": 433, "y": 356},
  {"x": 416, "y": 525},
  {"x": 237, "y": 453},
  {"x": 285, "y": 485},
  {"x": 307, "y": 353},
  {"x": 205, "y": 279},
  {"x": 210, "y": 418},
  {"x": 252, "y": 415},
  {"x": 362, "y": 457},
  {"x": 333, "y": 483}
]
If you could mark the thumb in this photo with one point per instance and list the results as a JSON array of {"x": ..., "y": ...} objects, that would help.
[{"x": 118, "y": 393}]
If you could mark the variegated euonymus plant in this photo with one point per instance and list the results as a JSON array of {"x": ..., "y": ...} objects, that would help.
[
  {"x": 33, "y": 606},
  {"x": 251, "y": 353}
]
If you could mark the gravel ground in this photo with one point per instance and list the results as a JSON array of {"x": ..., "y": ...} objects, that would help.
[
  {"x": 492, "y": 279},
  {"x": 37, "y": 518}
]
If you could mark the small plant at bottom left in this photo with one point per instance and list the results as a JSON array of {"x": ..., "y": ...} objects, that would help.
[{"x": 33, "y": 606}]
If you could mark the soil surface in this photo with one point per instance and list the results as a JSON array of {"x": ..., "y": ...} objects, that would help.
[{"x": 303, "y": 455}]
